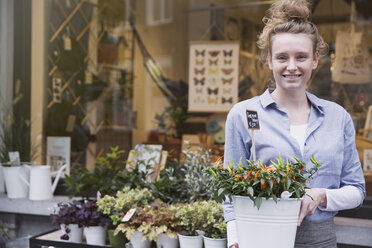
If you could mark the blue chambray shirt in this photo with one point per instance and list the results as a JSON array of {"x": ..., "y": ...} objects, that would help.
[{"x": 330, "y": 136}]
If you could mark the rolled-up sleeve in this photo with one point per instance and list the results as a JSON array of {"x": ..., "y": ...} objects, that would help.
[{"x": 352, "y": 172}]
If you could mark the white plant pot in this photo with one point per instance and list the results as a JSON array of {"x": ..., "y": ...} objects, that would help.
[
  {"x": 164, "y": 241},
  {"x": 76, "y": 233},
  {"x": 95, "y": 235},
  {"x": 278, "y": 221},
  {"x": 137, "y": 242},
  {"x": 15, "y": 184},
  {"x": 215, "y": 243},
  {"x": 190, "y": 241}
]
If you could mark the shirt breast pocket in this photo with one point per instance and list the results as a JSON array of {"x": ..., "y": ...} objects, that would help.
[{"x": 329, "y": 152}]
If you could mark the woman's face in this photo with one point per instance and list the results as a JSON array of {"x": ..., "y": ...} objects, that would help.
[{"x": 292, "y": 60}]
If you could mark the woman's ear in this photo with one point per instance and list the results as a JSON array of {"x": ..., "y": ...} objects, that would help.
[
  {"x": 269, "y": 61},
  {"x": 316, "y": 60}
]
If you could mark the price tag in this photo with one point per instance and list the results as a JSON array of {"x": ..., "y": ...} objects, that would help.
[
  {"x": 252, "y": 118},
  {"x": 128, "y": 215}
]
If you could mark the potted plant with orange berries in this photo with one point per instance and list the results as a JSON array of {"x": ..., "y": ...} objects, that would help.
[{"x": 264, "y": 197}]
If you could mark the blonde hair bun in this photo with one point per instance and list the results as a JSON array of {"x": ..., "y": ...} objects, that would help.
[
  {"x": 283, "y": 11},
  {"x": 289, "y": 16}
]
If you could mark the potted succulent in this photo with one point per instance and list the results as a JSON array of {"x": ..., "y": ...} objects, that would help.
[
  {"x": 66, "y": 217},
  {"x": 94, "y": 221},
  {"x": 116, "y": 206},
  {"x": 261, "y": 192},
  {"x": 190, "y": 217},
  {"x": 213, "y": 224}
]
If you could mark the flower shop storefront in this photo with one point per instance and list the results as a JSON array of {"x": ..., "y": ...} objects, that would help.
[{"x": 112, "y": 115}]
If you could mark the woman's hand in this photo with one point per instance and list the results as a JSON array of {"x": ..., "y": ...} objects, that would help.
[
  {"x": 312, "y": 199},
  {"x": 236, "y": 245}
]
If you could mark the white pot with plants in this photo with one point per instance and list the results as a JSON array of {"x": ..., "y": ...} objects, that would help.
[
  {"x": 66, "y": 216},
  {"x": 266, "y": 199},
  {"x": 189, "y": 215},
  {"x": 95, "y": 223},
  {"x": 165, "y": 225},
  {"x": 213, "y": 224}
]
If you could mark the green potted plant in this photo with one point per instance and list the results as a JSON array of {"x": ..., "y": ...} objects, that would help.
[
  {"x": 261, "y": 192},
  {"x": 155, "y": 222},
  {"x": 164, "y": 225},
  {"x": 190, "y": 217},
  {"x": 116, "y": 206},
  {"x": 213, "y": 224},
  {"x": 67, "y": 218},
  {"x": 186, "y": 181},
  {"x": 110, "y": 168},
  {"x": 137, "y": 228}
]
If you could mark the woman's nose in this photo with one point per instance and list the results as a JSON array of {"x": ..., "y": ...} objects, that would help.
[{"x": 291, "y": 65}]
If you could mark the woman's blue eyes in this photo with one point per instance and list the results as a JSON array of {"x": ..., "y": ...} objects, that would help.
[{"x": 300, "y": 57}]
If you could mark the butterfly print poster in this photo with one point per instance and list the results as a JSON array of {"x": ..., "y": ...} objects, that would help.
[{"x": 213, "y": 76}]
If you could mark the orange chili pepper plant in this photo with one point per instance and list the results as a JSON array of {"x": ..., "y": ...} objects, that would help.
[{"x": 258, "y": 181}]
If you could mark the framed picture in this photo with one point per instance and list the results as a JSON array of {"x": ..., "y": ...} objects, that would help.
[
  {"x": 367, "y": 132},
  {"x": 58, "y": 153},
  {"x": 213, "y": 76}
]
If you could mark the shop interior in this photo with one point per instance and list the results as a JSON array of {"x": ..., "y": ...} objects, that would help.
[{"x": 81, "y": 79}]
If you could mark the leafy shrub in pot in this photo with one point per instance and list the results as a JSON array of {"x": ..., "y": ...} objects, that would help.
[
  {"x": 110, "y": 168},
  {"x": 116, "y": 206},
  {"x": 89, "y": 215}
]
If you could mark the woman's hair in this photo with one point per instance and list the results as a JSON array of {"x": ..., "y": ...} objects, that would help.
[{"x": 289, "y": 16}]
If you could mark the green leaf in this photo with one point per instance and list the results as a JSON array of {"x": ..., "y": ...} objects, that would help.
[
  {"x": 270, "y": 184},
  {"x": 220, "y": 192},
  {"x": 250, "y": 191},
  {"x": 289, "y": 181},
  {"x": 258, "y": 202}
]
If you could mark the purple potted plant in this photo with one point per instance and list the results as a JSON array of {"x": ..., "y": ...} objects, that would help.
[
  {"x": 66, "y": 217},
  {"x": 94, "y": 221}
]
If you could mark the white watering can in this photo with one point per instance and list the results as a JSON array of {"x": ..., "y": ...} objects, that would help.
[{"x": 40, "y": 186}]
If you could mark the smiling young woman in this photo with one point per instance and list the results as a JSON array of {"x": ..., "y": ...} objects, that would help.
[{"x": 296, "y": 123}]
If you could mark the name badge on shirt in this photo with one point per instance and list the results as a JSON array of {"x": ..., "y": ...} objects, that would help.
[{"x": 252, "y": 118}]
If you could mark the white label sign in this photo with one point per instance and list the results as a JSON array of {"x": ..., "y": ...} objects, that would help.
[
  {"x": 128, "y": 215},
  {"x": 367, "y": 160}
]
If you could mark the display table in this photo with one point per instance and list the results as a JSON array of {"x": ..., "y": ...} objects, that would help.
[
  {"x": 52, "y": 238},
  {"x": 25, "y": 218}
]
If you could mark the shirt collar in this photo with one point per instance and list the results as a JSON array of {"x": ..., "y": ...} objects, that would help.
[{"x": 267, "y": 100}]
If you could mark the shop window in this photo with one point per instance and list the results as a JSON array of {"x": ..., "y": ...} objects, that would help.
[{"x": 159, "y": 12}]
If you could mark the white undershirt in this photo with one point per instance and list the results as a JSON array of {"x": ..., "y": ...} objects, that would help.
[
  {"x": 347, "y": 197},
  {"x": 298, "y": 132}
]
